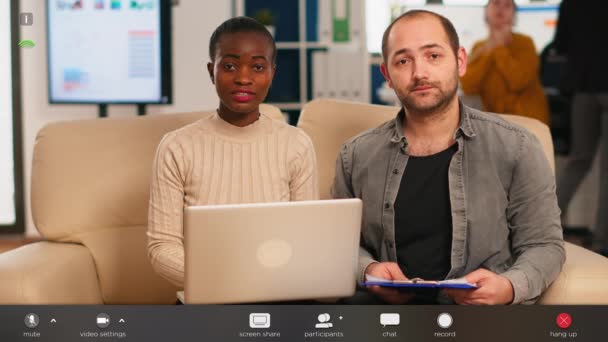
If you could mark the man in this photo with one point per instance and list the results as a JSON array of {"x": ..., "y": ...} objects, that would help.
[{"x": 449, "y": 191}]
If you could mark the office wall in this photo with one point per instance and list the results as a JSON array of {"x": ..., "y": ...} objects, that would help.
[{"x": 193, "y": 23}]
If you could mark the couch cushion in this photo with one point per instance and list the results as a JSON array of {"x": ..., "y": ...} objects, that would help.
[
  {"x": 49, "y": 273},
  {"x": 95, "y": 174},
  {"x": 583, "y": 279}
]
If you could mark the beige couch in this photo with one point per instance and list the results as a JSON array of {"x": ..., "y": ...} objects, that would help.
[{"x": 90, "y": 196}]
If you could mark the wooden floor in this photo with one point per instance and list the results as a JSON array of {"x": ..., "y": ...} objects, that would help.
[{"x": 11, "y": 242}]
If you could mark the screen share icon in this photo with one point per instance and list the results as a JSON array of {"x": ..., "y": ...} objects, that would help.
[{"x": 259, "y": 320}]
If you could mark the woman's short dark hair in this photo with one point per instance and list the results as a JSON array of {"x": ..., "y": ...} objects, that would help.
[
  {"x": 236, "y": 25},
  {"x": 448, "y": 27}
]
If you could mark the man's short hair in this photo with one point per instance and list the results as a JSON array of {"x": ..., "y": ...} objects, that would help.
[
  {"x": 237, "y": 25},
  {"x": 448, "y": 27}
]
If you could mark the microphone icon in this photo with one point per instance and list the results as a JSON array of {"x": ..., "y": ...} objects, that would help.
[{"x": 31, "y": 320}]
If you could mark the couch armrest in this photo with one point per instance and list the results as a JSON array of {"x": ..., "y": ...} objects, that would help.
[
  {"x": 583, "y": 280},
  {"x": 49, "y": 273}
]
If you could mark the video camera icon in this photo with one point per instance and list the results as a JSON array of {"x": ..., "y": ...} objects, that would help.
[{"x": 103, "y": 320}]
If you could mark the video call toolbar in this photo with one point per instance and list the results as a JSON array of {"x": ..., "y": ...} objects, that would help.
[{"x": 302, "y": 323}]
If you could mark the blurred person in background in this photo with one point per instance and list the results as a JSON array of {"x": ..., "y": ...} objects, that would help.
[
  {"x": 581, "y": 28},
  {"x": 503, "y": 68}
]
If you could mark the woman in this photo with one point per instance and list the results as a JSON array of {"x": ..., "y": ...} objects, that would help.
[
  {"x": 503, "y": 69},
  {"x": 237, "y": 155}
]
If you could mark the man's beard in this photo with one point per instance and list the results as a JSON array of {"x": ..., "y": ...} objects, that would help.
[{"x": 411, "y": 104}]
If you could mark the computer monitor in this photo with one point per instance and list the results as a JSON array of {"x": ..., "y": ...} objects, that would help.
[
  {"x": 109, "y": 51},
  {"x": 8, "y": 213}
]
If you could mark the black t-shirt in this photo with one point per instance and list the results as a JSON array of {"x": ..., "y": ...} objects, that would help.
[{"x": 423, "y": 217}]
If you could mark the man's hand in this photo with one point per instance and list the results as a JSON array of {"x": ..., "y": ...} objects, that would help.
[
  {"x": 491, "y": 289},
  {"x": 389, "y": 271}
]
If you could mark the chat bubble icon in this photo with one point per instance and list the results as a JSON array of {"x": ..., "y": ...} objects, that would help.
[{"x": 389, "y": 319}]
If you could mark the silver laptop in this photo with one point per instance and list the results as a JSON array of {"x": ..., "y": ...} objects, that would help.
[{"x": 248, "y": 253}]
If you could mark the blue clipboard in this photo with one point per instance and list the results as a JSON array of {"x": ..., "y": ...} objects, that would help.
[{"x": 446, "y": 285}]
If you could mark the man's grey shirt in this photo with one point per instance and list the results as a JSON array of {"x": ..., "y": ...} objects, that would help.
[{"x": 505, "y": 216}]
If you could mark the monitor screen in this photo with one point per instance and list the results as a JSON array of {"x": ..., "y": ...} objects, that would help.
[
  {"x": 113, "y": 51},
  {"x": 7, "y": 173}
]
